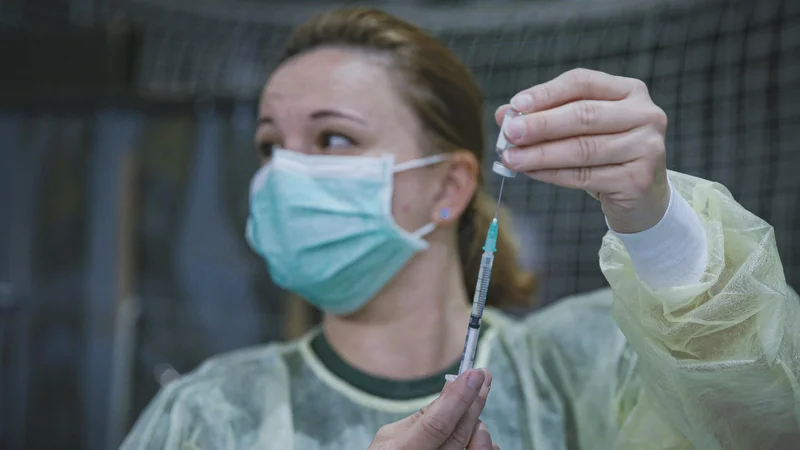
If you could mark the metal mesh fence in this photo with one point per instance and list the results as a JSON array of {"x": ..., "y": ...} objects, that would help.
[
  {"x": 726, "y": 72},
  {"x": 728, "y": 76}
]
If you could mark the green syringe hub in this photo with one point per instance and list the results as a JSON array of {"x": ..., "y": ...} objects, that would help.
[{"x": 491, "y": 238}]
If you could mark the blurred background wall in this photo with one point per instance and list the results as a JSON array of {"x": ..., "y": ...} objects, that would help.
[{"x": 126, "y": 134}]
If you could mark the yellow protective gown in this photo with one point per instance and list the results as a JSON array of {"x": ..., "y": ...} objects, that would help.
[{"x": 712, "y": 365}]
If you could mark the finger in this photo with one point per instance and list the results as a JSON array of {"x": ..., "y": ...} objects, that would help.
[
  {"x": 581, "y": 151},
  {"x": 602, "y": 179},
  {"x": 434, "y": 424},
  {"x": 495, "y": 447},
  {"x": 410, "y": 420},
  {"x": 500, "y": 114},
  {"x": 481, "y": 439},
  {"x": 463, "y": 431},
  {"x": 576, "y": 84},
  {"x": 580, "y": 118}
]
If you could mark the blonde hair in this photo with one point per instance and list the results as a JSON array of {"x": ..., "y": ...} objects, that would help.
[{"x": 449, "y": 104}]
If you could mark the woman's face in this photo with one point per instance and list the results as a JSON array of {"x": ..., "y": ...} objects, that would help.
[{"x": 340, "y": 102}]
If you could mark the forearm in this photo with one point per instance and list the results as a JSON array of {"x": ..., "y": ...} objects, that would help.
[
  {"x": 719, "y": 353},
  {"x": 672, "y": 253}
]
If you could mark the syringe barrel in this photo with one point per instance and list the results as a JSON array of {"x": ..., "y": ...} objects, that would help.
[
  {"x": 470, "y": 350},
  {"x": 482, "y": 287},
  {"x": 478, "y": 303}
]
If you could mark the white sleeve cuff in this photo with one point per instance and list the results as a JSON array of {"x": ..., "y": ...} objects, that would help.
[{"x": 674, "y": 251}]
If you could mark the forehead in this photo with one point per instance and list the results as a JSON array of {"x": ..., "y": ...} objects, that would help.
[{"x": 332, "y": 77}]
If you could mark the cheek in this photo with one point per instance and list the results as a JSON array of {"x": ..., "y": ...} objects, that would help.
[{"x": 410, "y": 202}]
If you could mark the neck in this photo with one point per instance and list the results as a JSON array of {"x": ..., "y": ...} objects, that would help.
[{"x": 415, "y": 327}]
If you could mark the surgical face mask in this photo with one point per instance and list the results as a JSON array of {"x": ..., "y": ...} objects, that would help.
[{"x": 323, "y": 224}]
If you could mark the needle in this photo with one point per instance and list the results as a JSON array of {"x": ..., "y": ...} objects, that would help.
[{"x": 499, "y": 196}]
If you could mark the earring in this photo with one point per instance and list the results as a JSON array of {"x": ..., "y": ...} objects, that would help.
[{"x": 445, "y": 213}]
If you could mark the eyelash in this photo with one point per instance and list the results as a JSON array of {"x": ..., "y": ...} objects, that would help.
[{"x": 266, "y": 148}]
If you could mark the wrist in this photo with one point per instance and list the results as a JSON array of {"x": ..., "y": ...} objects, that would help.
[
  {"x": 674, "y": 251},
  {"x": 646, "y": 214}
]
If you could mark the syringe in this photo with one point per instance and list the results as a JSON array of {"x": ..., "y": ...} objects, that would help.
[
  {"x": 478, "y": 302},
  {"x": 487, "y": 259}
]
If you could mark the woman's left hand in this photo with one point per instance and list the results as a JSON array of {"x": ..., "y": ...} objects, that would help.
[{"x": 598, "y": 132}]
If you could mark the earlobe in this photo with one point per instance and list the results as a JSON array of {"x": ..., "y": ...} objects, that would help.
[
  {"x": 460, "y": 184},
  {"x": 442, "y": 217}
]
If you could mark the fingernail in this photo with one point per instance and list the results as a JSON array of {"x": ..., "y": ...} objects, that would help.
[
  {"x": 522, "y": 103},
  {"x": 482, "y": 426},
  {"x": 511, "y": 157},
  {"x": 475, "y": 379},
  {"x": 515, "y": 129}
]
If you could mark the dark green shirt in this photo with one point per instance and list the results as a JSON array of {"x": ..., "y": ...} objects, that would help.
[{"x": 381, "y": 387}]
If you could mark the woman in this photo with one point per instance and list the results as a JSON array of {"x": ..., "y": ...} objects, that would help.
[{"x": 375, "y": 215}]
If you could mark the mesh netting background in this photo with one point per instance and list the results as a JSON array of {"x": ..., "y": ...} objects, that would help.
[{"x": 726, "y": 72}]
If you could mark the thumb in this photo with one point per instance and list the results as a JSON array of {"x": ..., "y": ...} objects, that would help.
[
  {"x": 433, "y": 425},
  {"x": 408, "y": 421}
]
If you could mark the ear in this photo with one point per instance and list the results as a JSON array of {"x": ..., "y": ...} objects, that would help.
[{"x": 458, "y": 188}]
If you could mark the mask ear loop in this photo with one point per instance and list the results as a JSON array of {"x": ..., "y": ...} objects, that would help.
[
  {"x": 417, "y": 163},
  {"x": 425, "y": 230}
]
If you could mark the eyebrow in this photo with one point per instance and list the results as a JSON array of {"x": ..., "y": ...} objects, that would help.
[{"x": 321, "y": 114}]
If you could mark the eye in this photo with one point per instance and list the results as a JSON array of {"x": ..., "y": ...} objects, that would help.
[
  {"x": 335, "y": 141},
  {"x": 265, "y": 149}
]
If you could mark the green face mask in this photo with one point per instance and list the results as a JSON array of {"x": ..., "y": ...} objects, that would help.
[{"x": 324, "y": 226}]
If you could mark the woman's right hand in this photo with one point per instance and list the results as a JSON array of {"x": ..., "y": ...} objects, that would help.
[{"x": 451, "y": 422}]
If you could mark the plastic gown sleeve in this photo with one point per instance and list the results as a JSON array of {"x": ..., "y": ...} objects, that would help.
[{"x": 719, "y": 360}]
